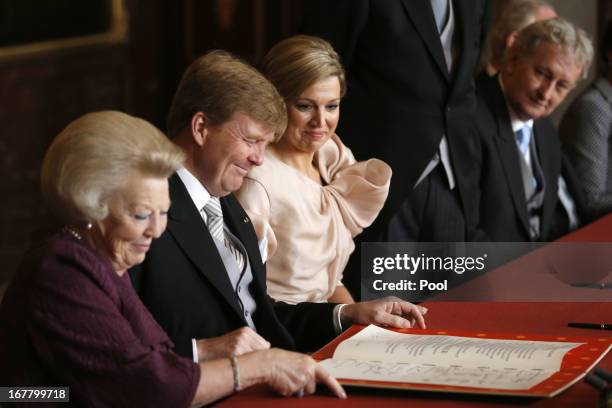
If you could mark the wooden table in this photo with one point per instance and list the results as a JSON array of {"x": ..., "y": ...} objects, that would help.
[{"x": 527, "y": 317}]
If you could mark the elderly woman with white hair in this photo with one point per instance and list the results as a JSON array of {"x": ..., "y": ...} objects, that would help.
[{"x": 71, "y": 316}]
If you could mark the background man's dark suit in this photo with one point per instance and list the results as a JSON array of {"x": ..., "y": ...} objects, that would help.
[
  {"x": 503, "y": 208},
  {"x": 561, "y": 221},
  {"x": 184, "y": 284},
  {"x": 401, "y": 100}
]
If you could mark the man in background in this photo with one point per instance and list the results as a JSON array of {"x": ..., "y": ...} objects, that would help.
[
  {"x": 521, "y": 198},
  {"x": 586, "y": 133},
  {"x": 410, "y": 102}
]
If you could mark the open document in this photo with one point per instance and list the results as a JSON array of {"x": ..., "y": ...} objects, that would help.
[{"x": 482, "y": 363}]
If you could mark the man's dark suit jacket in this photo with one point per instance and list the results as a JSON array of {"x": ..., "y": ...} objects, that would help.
[
  {"x": 401, "y": 99},
  {"x": 576, "y": 190},
  {"x": 184, "y": 284},
  {"x": 503, "y": 206}
]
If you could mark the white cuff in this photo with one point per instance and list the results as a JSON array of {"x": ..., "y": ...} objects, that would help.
[
  {"x": 194, "y": 350},
  {"x": 263, "y": 249},
  {"x": 336, "y": 318}
]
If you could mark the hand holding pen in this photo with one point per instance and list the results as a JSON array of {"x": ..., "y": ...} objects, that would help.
[
  {"x": 601, "y": 380},
  {"x": 594, "y": 326}
]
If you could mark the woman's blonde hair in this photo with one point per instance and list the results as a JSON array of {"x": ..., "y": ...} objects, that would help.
[
  {"x": 92, "y": 158},
  {"x": 297, "y": 62}
]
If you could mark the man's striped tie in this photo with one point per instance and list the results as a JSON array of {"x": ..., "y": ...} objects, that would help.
[{"x": 214, "y": 222}]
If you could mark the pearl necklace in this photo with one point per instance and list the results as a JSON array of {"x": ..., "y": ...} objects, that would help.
[{"x": 73, "y": 232}]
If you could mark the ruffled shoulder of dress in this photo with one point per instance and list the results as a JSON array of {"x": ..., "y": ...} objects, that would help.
[
  {"x": 359, "y": 188},
  {"x": 332, "y": 157},
  {"x": 270, "y": 170}
]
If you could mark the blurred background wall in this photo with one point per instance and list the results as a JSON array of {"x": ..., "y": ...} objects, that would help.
[{"x": 62, "y": 58}]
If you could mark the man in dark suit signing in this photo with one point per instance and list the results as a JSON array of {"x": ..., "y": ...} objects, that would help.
[
  {"x": 204, "y": 278},
  {"x": 523, "y": 197}
]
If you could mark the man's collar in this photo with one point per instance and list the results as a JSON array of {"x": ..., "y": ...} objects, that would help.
[
  {"x": 490, "y": 69},
  {"x": 514, "y": 120},
  {"x": 198, "y": 193},
  {"x": 517, "y": 123}
]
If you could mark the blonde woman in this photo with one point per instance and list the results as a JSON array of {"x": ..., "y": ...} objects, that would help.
[{"x": 310, "y": 197}]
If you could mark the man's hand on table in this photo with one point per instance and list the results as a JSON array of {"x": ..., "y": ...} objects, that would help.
[{"x": 391, "y": 311}]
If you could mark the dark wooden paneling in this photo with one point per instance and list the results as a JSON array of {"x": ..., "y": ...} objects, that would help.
[
  {"x": 40, "y": 95},
  {"x": 42, "y": 92},
  {"x": 247, "y": 28},
  {"x": 145, "y": 60}
]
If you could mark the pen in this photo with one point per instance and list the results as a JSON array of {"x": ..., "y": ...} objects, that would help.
[
  {"x": 597, "y": 382},
  {"x": 597, "y": 326},
  {"x": 594, "y": 285},
  {"x": 605, "y": 374}
]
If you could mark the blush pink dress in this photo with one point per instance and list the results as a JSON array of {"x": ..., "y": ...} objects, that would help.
[{"x": 306, "y": 229}]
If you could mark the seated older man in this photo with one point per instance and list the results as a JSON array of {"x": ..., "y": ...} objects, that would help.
[
  {"x": 521, "y": 197},
  {"x": 204, "y": 278}
]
